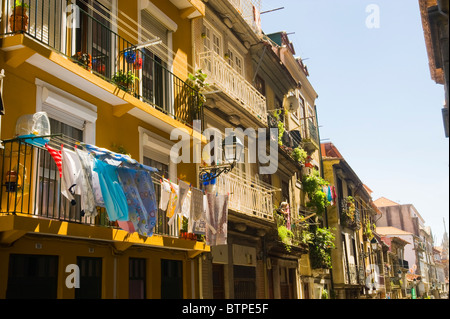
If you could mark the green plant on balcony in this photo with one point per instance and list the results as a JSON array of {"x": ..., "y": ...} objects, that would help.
[
  {"x": 196, "y": 98},
  {"x": 281, "y": 131},
  {"x": 286, "y": 236},
  {"x": 313, "y": 185},
  {"x": 299, "y": 155},
  {"x": 348, "y": 211},
  {"x": 125, "y": 80},
  {"x": 320, "y": 248},
  {"x": 325, "y": 294}
]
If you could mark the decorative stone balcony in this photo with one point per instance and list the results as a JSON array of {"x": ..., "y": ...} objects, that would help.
[
  {"x": 221, "y": 76},
  {"x": 249, "y": 197}
]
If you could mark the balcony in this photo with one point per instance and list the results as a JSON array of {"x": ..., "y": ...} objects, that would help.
[
  {"x": 88, "y": 40},
  {"x": 34, "y": 192},
  {"x": 247, "y": 196},
  {"x": 222, "y": 77},
  {"x": 310, "y": 135},
  {"x": 350, "y": 214}
]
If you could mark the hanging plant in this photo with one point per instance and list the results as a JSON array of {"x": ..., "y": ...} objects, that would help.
[
  {"x": 320, "y": 248},
  {"x": 299, "y": 155},
  {"x": 313, "y": 185},
  {"x": 130, "y": 56}
]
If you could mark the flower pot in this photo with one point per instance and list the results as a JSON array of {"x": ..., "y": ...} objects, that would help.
[{"x": 18, "y": 21}]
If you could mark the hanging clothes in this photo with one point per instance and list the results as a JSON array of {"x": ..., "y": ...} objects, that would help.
[
  {"x": 329, "y": 195},
  {"x": 71, "y": 167},
  {"x": 127, "y": 161},
  {"x": 216, "y": 219},
  {"x": 165, "y": 195},
  {"x": 143, "y": 217},
  {"x": 57, "y": 157},
  {"x": 182, "y": 205},
  {"x": 112, "y": 192},
  {"x": 197, "y": 220},
  {"x": 173, "y": 201},
  {"x": 86, "y": 189}
]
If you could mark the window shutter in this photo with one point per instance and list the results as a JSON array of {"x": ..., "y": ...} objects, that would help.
[{"x": 152, "y": 28}]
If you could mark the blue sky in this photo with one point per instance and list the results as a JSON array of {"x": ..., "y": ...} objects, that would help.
[{"x": 377, "y": 102}]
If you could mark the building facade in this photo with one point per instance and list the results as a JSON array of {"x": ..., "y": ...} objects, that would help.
[
  {"x": 107, "y": 73},
  {"x": 356, "y": 265}
]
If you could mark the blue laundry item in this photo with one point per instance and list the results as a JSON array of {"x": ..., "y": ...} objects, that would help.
[
  {"x": 112, "y": 192},
  {"x": 127, "y": 161},
  {"x": 141, "y": 199},
  {"x": 330, "y": 197}
]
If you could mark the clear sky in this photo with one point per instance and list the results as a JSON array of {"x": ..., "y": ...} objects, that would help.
[{"x": 377, "y": 102}]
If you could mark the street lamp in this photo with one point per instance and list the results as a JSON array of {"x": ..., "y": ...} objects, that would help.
[
  {"x": 232, "y": 148},
  {"x": 374, "y": 244}
]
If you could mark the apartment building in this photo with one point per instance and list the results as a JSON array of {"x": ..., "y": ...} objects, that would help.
[{"x": 110, "y": 74}]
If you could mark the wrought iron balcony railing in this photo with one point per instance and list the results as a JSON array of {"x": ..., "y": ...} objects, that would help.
[
  {"x": 31, "y": 185},
  {"x": 222, "y": 76},
  {"x": 85, "y": 36}
]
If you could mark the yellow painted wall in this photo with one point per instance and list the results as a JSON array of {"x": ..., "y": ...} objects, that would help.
[{"x": 68, "y": 250}]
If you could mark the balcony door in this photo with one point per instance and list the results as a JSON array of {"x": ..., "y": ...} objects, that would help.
[
  {"x": 94, "y": 36},
  {"x": 155, "y": 79}
]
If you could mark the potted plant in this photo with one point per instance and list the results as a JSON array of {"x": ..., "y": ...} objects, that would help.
[
  {"x": 84, "y": 59},
  {"x": 18, "y": 21},
  {"x": 125, "y": 80}
]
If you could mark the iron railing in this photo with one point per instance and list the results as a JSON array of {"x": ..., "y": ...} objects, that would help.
[
  {"x": 83, "y": 34},
  {"x": 31, "y": 185}
]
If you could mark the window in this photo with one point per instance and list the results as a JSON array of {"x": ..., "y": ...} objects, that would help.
[
  {"x": 212, "y": 40},
  {"x": 90, "y": 278},
  {"x": 94, "y": 35},
  {"x": 137, "y": 277},
  {"x": 74, "y": 118},
  {"x": 155, "y": 85},
  {"x": 171, "y": 279},
  {"x": 260, "y": 85},
  {"x": 235, "y": 60},
  {"x": 32, "y": 277}
]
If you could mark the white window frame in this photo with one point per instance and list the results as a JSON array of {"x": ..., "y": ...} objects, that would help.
[
  {"x": 234, "y": 55},
  {"x": 55, "y": 98},
  {"x": 149, "y": 143},
  {"x": 213, "y": 32}
]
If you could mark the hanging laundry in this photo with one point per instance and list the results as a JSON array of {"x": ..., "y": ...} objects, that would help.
[
  {"x": 137, "y": 212},
  {"x": 71, "y": 167},
  {"x": 329, "y": 196},
  {"x": 146, "y": 190},
  {"x": 56, "y": 155},
  {"x": 333, "y": 195},
  {"x": 112, "y": 192},
  {"x": 165, "y": 195},
  {"x": 86, "y": 189},
  {"x": 127, "y": 226},
  {"x": 183, "y": 192},
  {"x": 216, "y": 219},
  {"x": 197, "y": 220},
  {"x": 127, "y": 161},
  {"x": 173, "y": 201}
]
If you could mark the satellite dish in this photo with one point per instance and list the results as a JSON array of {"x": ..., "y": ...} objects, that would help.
[{"x": 291, "y": 103}]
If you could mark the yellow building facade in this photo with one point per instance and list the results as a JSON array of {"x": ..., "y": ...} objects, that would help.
[{"x": 69, "y": 60}]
